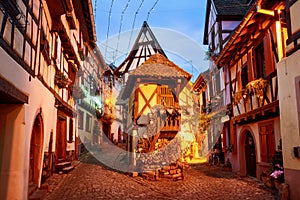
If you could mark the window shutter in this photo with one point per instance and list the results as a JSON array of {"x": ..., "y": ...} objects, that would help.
[
  {"x": 250, "y": 67},
  {"x": 269, "y": 61},
  {"x": 239, "y": 81},
  {"x": 264, "y": 149}
]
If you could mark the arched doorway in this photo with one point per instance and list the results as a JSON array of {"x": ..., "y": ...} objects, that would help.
[
  {"x": 250, "y": 155},
  {"x": 36, "y": 150}
]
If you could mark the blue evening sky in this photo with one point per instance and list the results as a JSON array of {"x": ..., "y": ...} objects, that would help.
[{"x": 171, "y": 21}]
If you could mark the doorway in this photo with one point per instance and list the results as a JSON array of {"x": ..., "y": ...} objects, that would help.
[
  {"x": 61, "y": 142},
  {"x": 36, "y": 150},
  {"x": 250, "y": 155}
]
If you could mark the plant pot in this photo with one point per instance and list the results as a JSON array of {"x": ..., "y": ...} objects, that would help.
[
  {"x": 268, "y": 182},
  {"x": 277, "y": 184},
  {"x": 61, "y": 85}
]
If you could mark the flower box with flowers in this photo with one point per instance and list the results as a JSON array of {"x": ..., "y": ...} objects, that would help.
[
  {"x": 257, "y": 87},
  {"x": 61, "y": 80}
]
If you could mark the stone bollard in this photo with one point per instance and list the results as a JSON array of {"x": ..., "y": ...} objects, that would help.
[{"x": 284, "y": 191}]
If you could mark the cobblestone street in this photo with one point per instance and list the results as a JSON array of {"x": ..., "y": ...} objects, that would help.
[{"x": 91, "y": 180}]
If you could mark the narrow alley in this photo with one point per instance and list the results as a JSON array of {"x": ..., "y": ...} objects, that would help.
[{"x": 91, "y": 180}]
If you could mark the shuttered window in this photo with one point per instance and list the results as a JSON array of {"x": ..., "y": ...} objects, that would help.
[
  {"x": 269, "y": 61},
  {"x": 264, "y": 62},
  {"x": 244, "y": 76},
  {"x": 260, "y": 69},
  {"x": 267, "y": 140},
  {"x": 165, "y": 96}
]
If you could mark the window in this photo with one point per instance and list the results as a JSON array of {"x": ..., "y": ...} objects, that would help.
[
  {"x": 45, "y": 48},
  {"x": 210, "y": 90},
  {"x": 213, "y": 46},
  {"x": 267, "y": 141},
  {"x": 244, "y": 76},
  {"x": 165, "y": 96},
  {"x": 80, "y": 119},
  {"x": 260, "y": 66},
  {"x": 55, "y": 47},
  {"x": 88, "y": 123},
  {"x": 71, "y": 131},
  {"x": 204, "y": 102}
]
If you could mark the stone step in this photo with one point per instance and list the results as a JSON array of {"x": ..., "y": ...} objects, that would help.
[
  {"x": 63, "y": 164},
  {"x": 60, "y": 160},
  {"x": 67, "y": 169},
  {"x": 38, "y": 195}
]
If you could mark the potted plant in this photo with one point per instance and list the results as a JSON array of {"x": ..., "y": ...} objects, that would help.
[
  {"x": 61, "y": 80},
  {"x": 278, "y": 176},
  {"x": 267, "y": 180},
  {"x": 257, "y": 87},
  {"x": 238, "y": 96},
  {"x": 274, "y": 176}
]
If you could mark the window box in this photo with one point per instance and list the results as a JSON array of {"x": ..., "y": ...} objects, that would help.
[
  {"x": 61, "y": 80},
  {"x": 257, "y": 87}
]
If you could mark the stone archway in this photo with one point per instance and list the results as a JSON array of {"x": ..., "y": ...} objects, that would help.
[
  {"x": 36, "y": 151},
  {"x": 247, "y": 152}
]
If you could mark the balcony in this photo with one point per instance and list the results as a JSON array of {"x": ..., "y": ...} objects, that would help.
[
  {"x": 258, "y": 101},
  {"x": 171, "y": 124}
]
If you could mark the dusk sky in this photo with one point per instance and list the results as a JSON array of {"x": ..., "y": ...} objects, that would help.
[{"x": 178, "y": 26}]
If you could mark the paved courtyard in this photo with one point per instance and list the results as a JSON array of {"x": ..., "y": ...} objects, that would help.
[{"x": 91, "y": 180}]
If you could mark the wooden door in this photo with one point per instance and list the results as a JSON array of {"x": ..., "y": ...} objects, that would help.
[
  {"x": 36, "y": 150},
  {"x": 61, "y": 142},
  {"x": 250, "y": 155}
]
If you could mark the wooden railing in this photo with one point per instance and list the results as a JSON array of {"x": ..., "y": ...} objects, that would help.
[{"x": 172, "y": 123}]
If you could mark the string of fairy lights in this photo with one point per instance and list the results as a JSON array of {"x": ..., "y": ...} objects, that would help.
[
  {"x": 123, "y": 15},
  {"x": 120, "y": 28},
  {"x": 133, "y": 23},
  {"x": 151, "y": 9},
  {"x": 108, "y": 24},
  {"x": 114, "y": 52}
]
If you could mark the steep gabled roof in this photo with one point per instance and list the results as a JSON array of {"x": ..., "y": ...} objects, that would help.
[
  {"x": 159, "y": 66},
  {"x": 145, "y": 46},
  {"x": 201, "y": 81},
  {"x": 232, "y": 7},
  {"x": 84, "y": 12},
  {"x": 225, "y": 10},
  {"x": 157, "y": 69}
]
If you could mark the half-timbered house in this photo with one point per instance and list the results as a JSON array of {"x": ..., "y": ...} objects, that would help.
[
  {"x": 221, "y": 21},
  {"x": 249, "y": 57},
  {"x": 145, "y": 46},
  {"x": 200, "y": 88},
  {"x": 153, "y": 91},
  {"x": 155, "y": 88},
  {"x": 42, "y": 43},
  {"x": 88, "y": 93}
]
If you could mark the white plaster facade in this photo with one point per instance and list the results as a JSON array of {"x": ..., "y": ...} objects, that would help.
[
  {"x": 289, "y": 100},
  {"x": 16, "y": 127}
]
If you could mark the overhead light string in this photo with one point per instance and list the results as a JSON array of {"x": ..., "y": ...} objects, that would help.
[
  {"x": 120, "y": 27},
  {"x": 95, "y": 13},
  {"x": 108, "y": 25},
  {"x": 152, "y": 8},
  {"x": 133, "y": 24}
]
